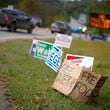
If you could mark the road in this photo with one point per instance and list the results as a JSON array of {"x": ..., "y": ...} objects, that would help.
[
  {"x": 38, "y": 33},
  {"x": 22, "y": 34},
  {"x": 41, "y": 33}
]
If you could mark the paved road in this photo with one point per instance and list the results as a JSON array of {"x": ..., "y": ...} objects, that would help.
[
  {"x": 22, "y": 34},
  {"x": 38, "y": 33}
]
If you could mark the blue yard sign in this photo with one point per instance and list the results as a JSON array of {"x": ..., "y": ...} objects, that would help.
[{"x": 54, "y": 58}]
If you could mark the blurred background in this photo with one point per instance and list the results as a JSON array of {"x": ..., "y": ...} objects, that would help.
[{"x": 47, "y": 11}]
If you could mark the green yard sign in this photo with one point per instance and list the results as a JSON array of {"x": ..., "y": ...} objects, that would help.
[{"x": 42, "y": 50}]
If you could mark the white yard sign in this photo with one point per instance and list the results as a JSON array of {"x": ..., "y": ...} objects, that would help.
[
  {"x": 84, "y": 61},
  {"x": 82, "y": 19},
  {"x": 63, "y": 40}
]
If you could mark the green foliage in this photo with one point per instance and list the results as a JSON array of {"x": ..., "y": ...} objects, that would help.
[
  {"x": 30, "y": 6},
  {"x": 30, "y": 80},
  {"x": 5, "y": 3},
  {"x": 101, "y": 7},
  {"x": 47, "y": 22},
  {"x": 61, "y": 17}
]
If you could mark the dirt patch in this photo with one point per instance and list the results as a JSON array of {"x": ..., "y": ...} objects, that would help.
[{"x": 5, "y": 99}]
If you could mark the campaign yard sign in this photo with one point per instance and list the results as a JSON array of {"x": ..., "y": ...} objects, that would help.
[
  {"x": 82, "y": 19},
  {"x": 78, "y": 82},
  {"x": 63, "y": 40},
  {"x": 33, "y": 46},
  {"x": 42, "y": 50},
  {"x": 54, "y": 58},
  {"x": 84, "y": 61}
]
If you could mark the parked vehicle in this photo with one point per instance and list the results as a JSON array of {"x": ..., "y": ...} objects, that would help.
[
  {"x": 61, "y": 27},
  {"x": 14, "y": 19},
  {"x": 37, "y": 21},
  {"x": 98, "y": 37}
]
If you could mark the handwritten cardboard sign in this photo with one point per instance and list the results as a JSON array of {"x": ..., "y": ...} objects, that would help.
[
  {"x": 77, "y": 82},
  {"x": 85, "y": 85},
  {"x": 63, "y": 40},
  {"x": 84, "y": 61},
  {"x": 67, "y": 77},
  {"x": 54, "y": 58}
]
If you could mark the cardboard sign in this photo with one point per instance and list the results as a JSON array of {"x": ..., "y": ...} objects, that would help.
[
  {"x": 42, "y": 50},
  {"x": 67, "y": 77},
  {"x": 77, "y": 82},
  {"x": 33, "y": 46},
  {"x": 54, "y": 58},
  {"x": 63, "y": 40},
  {"x": 84, "y": 61},
  {"x": 93, "y": 99},
  {"x": 85, "y": 85}
]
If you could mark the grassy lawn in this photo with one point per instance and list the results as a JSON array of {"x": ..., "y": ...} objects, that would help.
[{"x": 30, "y": 80}]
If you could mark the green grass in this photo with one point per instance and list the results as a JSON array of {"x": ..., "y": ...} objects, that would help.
[{"x": 30, "y": 80}]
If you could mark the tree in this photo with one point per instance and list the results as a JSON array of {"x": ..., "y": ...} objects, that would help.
[
  {"x": 100, "y": 6},
  {"x": 30, "y": 6},
  {"x": 5, "y": 3},
  {"x": 40, "y": 7}
]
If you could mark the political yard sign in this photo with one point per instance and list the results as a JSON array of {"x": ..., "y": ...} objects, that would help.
[
  {"x": 54, "y": 58},
  {"x": 42, "y": 49},
  {"x": 82, "y": 19},
  {"x": 33, "y": 46},
  {"x": 78, "y": 82},
  {"x": 63, "y": 40},
  {"x": 84, "y": 61}
]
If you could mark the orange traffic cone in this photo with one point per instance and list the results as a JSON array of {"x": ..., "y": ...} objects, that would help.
[
  {"x": 47, "y": 29},
  {"x": 35, "y": 29}
]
